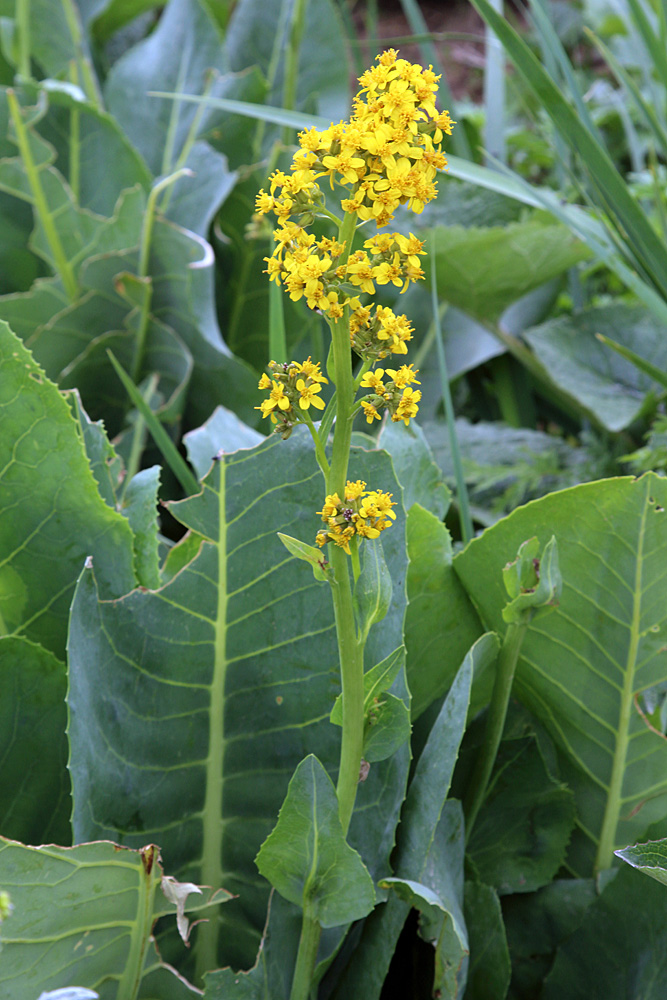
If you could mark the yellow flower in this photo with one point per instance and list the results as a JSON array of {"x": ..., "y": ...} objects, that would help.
[
  {"x": 354, "y": 490},
  {"x": 310, "y": 369},
  {"x": 403, "y": 377},
  {"x": 407, "y": 407},
  {"x": 370, "y": 412},
  {"x": 264, "y": 382},
  {"x": 373, "y": 380},
  {"x": 307, "y": 395}
]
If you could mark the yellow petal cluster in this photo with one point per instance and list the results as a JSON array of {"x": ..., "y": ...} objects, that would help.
[
  {"x": 293, "y": 389},
  {"x": 364, "y": 513},
  {"x": 387, "y": 155},
  {"x": 396, "y": 395}
]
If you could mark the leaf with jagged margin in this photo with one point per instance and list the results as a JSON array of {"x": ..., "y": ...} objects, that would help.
[
  {"x": 105, "y": 463},
  {"x": 482, "y": 271},
  {"x": 230, "y": 669},
  {"x": 441, "y": 623},
  {"x": 84, "y": 914},
  {"x": 140, "y": 508},
  {"x": 489, "y": 970},
  {"x": 367, "y": 968},
  {"x": 51, "y": 514},
  {"x": 583, "y": 665},
  {"x": 420, "y": 477},
  {"x": 649, "y": 858},
  {"x": 34, "y": 783}
]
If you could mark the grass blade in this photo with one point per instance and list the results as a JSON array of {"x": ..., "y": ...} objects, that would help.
[
  {"x": 644, "y": 245},
  {"x": 174, "y": 460}
]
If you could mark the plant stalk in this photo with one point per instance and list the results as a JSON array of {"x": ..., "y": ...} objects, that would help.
[
  {"x": 495, "y": 723},
  {"x": 306, "y": 958},
  {"x": 41, "y": 206},
  {"x": 296, "y": 29}
]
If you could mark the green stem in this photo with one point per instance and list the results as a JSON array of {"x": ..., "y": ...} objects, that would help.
[
  {"x": 62, "y": 264},
  {"x": 296, "y": 29},
  {"x": 144, "y": 260},
  {"x": 495, "y": 723},
  {"x": 351, "y": 656},
  {"x": 23, "y": 27},
  {"x": 461, "y": 488},
  {"x": 306, "y": 958},
  {"x": 139, "y": 435},
  {"x": 90, "y": 86},
  {"x": 350, "y": 652}
]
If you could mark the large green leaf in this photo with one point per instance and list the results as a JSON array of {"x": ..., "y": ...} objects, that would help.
[
  {"x": 612, "y": 391},
  {"x": 195, "y": 702},
  {"x": 85, "y": 150},
  {"x": 619, "y": 949},
  {"x": 175, "y": 57},
  {"x": 483, "y": 271},
  {"x": 84, "y": 915},
  {"x": 489, "y": 970},
  {"x": 51, "y": 514},
  {"x": 417, "y": 834},
  {"x": 521, "y": 834},
  {"x": 34, "y": 783},
  {"x": 441, "y": 623},
  {"x": 420, "y": 477},
  {"x": 258, "y": 34},
  {"x": 536, "y": 923},
  {"x": 585, "y": 663}
]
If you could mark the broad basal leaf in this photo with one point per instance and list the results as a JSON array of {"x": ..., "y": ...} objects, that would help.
[
  {"x": 482, "y": 271},
  {"x": 620, "y": 947},
  {"x": 610, "y": 389},
  {"x": 34, "y": 783},
  {"x": 111, "y": 898},
  {"x": 190, "y": 706},
  {"x": 51, "y": 514},
  {"x": 585, "y": 663},
  {"x": 441, "y": 623},
  {"x": 258, "y": 35}
]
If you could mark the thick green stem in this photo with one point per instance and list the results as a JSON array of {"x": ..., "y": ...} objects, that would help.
[
  {"x": 144, "y": 260},
  {"x": 351, "y": 655},
  {"x": 23, "y": 29},
  {"x": 495, "y": 723},
  {"x": 350, "y": 652},
  {"x": 306, "y": 958},
  {"x": 41, "y": 206}
]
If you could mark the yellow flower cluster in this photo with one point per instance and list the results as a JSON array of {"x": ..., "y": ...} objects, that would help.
[
  {"x": 293, "y": 389},
  {"x": 364, "y": 513},
  {"x": 397, "y": 395},
  {"x": 387, "y": 155}
]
